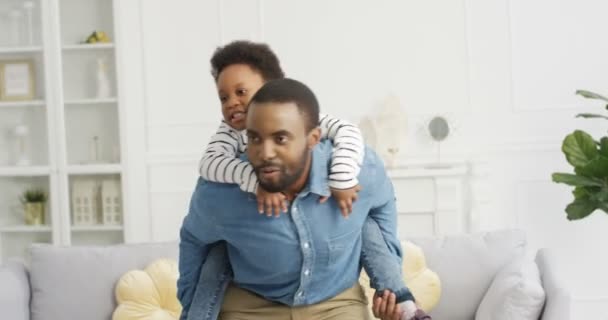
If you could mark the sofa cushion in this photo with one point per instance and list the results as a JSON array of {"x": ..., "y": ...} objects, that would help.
[
  {"x": 149, "y": 294},
  {"x": 78, "y": 282},
  {"x": 466, "y": 265},
  {"x": 516, "y": 293},
  {"x": 15, "y": 291}
]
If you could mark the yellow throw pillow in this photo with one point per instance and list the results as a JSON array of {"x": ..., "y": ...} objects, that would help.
[
  {"x": 424, "y": 283},
  {"x": 149, "y": 294}
]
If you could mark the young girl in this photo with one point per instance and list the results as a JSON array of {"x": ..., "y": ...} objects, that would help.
[{"x": 240, "y": 69}]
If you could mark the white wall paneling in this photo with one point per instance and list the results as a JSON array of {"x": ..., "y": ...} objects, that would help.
[{"x": 503, "y": 77}]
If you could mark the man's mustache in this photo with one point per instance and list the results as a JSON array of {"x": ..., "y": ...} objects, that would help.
[{"x": 267, "y": 164}]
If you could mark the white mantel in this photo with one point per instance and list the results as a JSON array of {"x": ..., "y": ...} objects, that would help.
[{"x": 433, "y": 199}]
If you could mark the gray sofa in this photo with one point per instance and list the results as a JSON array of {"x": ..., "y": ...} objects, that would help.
[{"x": 78, "y": 282}]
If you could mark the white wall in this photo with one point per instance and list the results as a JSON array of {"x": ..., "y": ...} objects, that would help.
[{"x": 504, "y": 71}]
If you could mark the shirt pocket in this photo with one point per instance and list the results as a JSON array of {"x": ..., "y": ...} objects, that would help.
[{"x": 340, "y": 247}]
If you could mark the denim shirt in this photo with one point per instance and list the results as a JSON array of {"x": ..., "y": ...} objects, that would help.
[{"x": 306, "y": 256}]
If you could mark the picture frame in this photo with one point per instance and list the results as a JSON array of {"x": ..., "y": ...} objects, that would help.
[{"x": 17, "y": 80}]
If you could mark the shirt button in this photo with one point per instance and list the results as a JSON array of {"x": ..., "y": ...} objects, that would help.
[
  {"x": 294, "y": 210},
  {"x": 300, "y": 294},
  {"x": 306, "y": 272},
  {"x": 306, "y": 245}
]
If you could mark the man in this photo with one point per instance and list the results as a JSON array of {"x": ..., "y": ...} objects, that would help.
[{"x": 303, "y": 264}]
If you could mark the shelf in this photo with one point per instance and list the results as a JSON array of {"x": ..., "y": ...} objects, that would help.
[
  {"x": 32, "y": 49},
  {"x": 84, "y": 47},
  {"x": 26, "y": 171},
  {"x": 91, "y": 101},
  {"x": 20, "y": 104},
  {"x": 428, "y": 171},
  {"x": 96, "y": 228},
  {"x": 25, "y": 229},
  {"x": 94, "y": 169}
]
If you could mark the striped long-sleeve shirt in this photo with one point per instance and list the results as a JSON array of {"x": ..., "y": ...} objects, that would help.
[{"x": 221, "y": 162}]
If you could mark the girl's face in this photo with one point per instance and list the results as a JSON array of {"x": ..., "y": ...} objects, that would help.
[{"x": 236, "y": 85}]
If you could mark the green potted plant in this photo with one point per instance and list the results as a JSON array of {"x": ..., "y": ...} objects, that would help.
[
  {"x": 589, "y": 157},
  {"x": 34, "y": 201}
]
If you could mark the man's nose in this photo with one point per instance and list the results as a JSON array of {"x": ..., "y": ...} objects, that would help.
[{"x": 268, "y": 151}]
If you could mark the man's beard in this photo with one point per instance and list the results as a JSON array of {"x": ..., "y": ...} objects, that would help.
[{"x": 285, "y": 180}]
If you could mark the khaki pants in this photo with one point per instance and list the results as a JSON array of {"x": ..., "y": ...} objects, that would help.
[{"x": 240, "y": 304}]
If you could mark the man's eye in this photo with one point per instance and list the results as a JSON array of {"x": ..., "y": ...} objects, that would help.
[
  {"x": 223, "y": 99},
  {"x": 241, "y": 92},
  {"x": 281, "y": 139},
  {"x": 253, "y": 139}
]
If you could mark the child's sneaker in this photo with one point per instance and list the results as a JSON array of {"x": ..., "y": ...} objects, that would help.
[
  {"x": 409, "y": 309},
  {"x": 411, "y": 312}
]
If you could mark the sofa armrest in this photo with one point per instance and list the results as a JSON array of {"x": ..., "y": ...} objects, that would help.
[
  {"x": 557, "y": 304},
  {"x": 14, "y": 291}
]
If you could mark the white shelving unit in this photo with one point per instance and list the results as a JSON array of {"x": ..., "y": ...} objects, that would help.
[
  {"x": 21, "y": 104},
  {"x": 74, "y": 134},
  {"x": 94, "y": 101},
  {"x": 25, "y": 229},
  {"x": 82, "y": 47},
  {"x": 32, "y": 171},
  {"x": 18, "y": 50},
  {"x": 96, "y": 228},
  {"x": 94, "y": 169}
]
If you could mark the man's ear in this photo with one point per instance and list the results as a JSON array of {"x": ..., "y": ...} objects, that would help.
[{"x": 314, "y": 136}]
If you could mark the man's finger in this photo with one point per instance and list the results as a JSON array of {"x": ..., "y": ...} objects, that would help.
[
  {"x": 284, "y": 205},
  {"x": 396, "y": 314},
  {"x": 376, "y": 307},
  {"x": 383, "y": 304},
  {"x": 260, "y": 206},
  {"x": 358, "y": 188},
  {"x": 390, "y": 306},
  {"x": 355, "y": 197},
  {"x": 349, "y": 204},
  {"x": 323, "y": 199}
]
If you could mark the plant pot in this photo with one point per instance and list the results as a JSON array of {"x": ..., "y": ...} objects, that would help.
[{"x": 34, "y": 213}]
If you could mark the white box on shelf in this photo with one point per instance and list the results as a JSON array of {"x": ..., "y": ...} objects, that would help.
[
  {"x": 111, "y": 196},
  {"x": 86, "y": 198}
]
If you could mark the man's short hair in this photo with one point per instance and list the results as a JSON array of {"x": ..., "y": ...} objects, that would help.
[
  {"x": 288, "y": 90},
  {"x": 258, "y": 56}
]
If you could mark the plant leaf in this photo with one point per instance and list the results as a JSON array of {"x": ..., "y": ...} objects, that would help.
[
  {"x": 576, "y": 180},
  {"x": 590, "y": 115},
  {"x": 579, "y": 148},
  {"x": 596, "y": 168},
  {"x": 604, "y": 146},
  {"x": 579, "y": 209},
  {"x": 590, "y": 95},
  {"x": 601, "y": 196},
  {"x": 580, "y": 193}
]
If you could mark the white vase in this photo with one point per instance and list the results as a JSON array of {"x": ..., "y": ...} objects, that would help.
[
  {"x": 21, "y": 147},
  {"x": 391, "y": 127},
  {"x": 103, "y": 80}
]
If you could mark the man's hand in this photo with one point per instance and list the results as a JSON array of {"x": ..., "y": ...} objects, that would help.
[
  {"x": 386, "y": 308},
  {"x": 345, "y": 198},
  {"x": 269, "y": 202}
]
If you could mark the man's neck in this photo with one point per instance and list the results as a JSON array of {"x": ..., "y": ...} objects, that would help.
[{"x": 295, "y": 188}]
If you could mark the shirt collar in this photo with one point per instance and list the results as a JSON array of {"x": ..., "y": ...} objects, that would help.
[{"x": 319, "y": 170}]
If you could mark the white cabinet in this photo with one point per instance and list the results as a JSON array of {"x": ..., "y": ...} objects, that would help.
[
  {"x": 432, "y": 200},
  {"x": 73, "y": 123}
]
